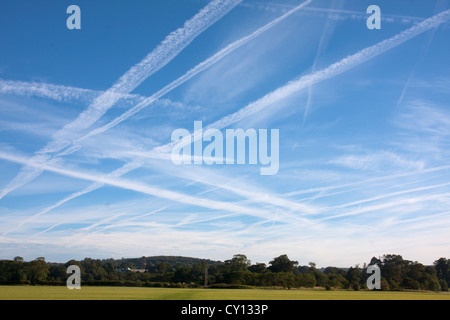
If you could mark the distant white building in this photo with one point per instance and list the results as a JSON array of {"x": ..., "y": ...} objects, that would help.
[{"x": 137, "y": 270}]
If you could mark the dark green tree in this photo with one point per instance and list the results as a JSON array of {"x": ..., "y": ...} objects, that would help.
[
  {"x": 183, "y": 275},
  {"x": 258, "y": 268},
  {"x": 442, "y": 266},
  {"x": 37, "y": 270},
  {"x": 282, "y": 264},
  {"x": 239, "y": 262},
  {"x": 354, "y": 276}
]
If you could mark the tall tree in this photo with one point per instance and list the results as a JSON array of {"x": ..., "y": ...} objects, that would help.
[
  {"x": 37, "y": 270},
  {"x": 239, "y": 262},
  {"x": 258, "y": 268},
  {"x": 282, "y": 264},
  {"x": 442, "y": 267}
]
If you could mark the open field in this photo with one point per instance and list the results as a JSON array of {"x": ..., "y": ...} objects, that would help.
[{"x": 128, "y": 293}]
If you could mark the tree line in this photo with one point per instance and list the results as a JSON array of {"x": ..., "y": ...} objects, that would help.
[{"x": 237, "y": 272}]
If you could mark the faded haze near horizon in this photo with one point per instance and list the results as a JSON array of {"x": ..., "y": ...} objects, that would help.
[{"x": 86, "y": 118}]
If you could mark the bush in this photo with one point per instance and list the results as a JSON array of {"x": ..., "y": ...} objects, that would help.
[
  {"x": 230, "y": 286},
  {"x": 385, "y": 285},
  {"x": 409, "y": 283},
  {"x": 355, "y": 286},
  {"x": 305, "y": 280},
  {"x": 327, "y": 287},
  {"x": 444, "y": 285},
  {"x": 433, "y": 285},
  {"x": 394, "y": 286}
]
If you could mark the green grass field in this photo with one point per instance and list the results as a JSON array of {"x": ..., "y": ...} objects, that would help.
[{"x": 126, "y": 293}]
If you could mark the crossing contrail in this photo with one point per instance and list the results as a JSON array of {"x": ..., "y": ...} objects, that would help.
[
  {"x": 333, "y": 70},
  {"x": 191, "y": 73},
  {"x": 165, "y": 52}
]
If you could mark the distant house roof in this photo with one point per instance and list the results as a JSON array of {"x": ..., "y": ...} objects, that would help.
[{"x": 137, "y": 270}]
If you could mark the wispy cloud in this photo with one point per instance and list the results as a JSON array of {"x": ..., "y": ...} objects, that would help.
[
  {"x": 331, "y": 13},
  {"x": 96, "y": 185},
  {"x": 396, "y": 203},
  {"x": 47, "y": 90},
  {"x": 425, "y": 117},
  {"x": 139, "y": 187},
  {"x": 170, "y": 47},
  {"x": 424, "y": 129},
  {"x": 382, "y": 179},
  {"x": 246, "y": 190},
  {"x": 63, "y": 93},
  {"x": 337, "y": 197},
  {"x": 327, "y": 31},
  {"x": 337, "y": 68},
  {"x": 193, "y": 72},
  {"x": 55, "y": 92},
  {"x": 329, "y": 72},
  {"x": 305, "y": 81},
  {"x": 390, "y": 195},
  {"x": 381, "y": 160}
]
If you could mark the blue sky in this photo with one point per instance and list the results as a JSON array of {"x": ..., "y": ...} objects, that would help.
[{"x": 86, "y": 118}]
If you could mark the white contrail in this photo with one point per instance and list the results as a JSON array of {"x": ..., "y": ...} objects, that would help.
[
  {"x": 63, "y": 93},
  {"x": 41, "y": 90},
  {"x": 389, "y": 204},
  {"x": 104, "y": 228},
  {"x": 171, "y": 46},
  {"x": 327, "y": 31},
  {"x": 367, "y": 181},
  {"x": 193, "y": 72},
  {"x": 142, "y": 188},
  {"x": 424, "y": 49},
  {"x": 97, "y": 185},
  {"x": 331, "y": 71},
  {"x": 47, "y": 90},
  {"x": 216, "y": 180},
  {"x": 165, "y": 52},
  {"x": 333, "y": 13},
  {"x": 389, "y": 195}
]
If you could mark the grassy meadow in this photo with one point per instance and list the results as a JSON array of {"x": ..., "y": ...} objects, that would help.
[{"x": 139, "y": 293}]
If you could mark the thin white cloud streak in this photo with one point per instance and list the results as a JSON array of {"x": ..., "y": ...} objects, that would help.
[
  {"x": 124, "y": 222},
  {"x": 376, "y": 161},
  {"x": 423, "y": 51},
  {"x": 331, "y": 71},
  {"x": 63, "y": 93},
  {"x": 425, "y": 128},
  {"x": 158, "y": 226},
  {"x": 115, "y": 174},
  {"x": 391, "y": 223},
  {"x": 333, "y": 13},
  {"x": 194, "y": 71},
  {"x": 213, "y": 180},
  {"x": 141, "y": 188},
  {"x": 424, "y": 117},
  {"x": 165, "y": 52},
  {"x": 57, "y": 92},
  {"x": 366, "y": 181},
  {"x": 389, "y": 195},
  {"x": 104, "y": 228},
  {"x": 324, "y": 39},
  {"x": 46, "y": 90},
  {"x": 322, "y": 194},
  {"x": 386, "y": 205}
]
